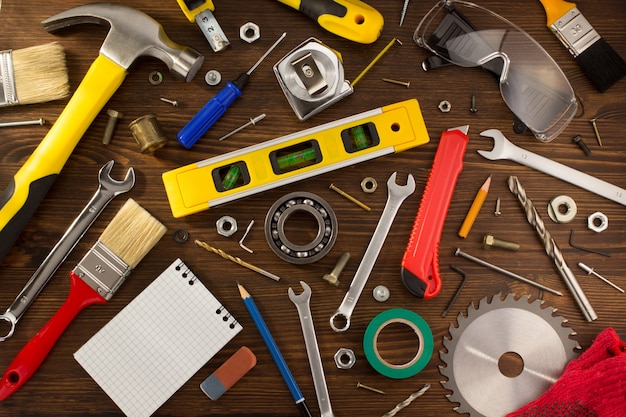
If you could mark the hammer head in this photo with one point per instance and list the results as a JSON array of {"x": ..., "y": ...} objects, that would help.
[{"x": 132, "y": 34}]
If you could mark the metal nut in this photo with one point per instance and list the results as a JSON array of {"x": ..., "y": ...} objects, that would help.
[
  {"x": 445, "y": 106},
  {"x": 369, "y": 185},
  {"x": 249, "y": 32},
  {"x": 345, "y": 358},
  {"x": 598, "y": 222},
  {"x": 226, "y": 226}
]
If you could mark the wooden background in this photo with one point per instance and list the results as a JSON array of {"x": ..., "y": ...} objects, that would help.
[{"x": 62, "y": 387}]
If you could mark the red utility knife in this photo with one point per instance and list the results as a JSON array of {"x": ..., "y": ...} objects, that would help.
[{"x": 420, "y": 264}]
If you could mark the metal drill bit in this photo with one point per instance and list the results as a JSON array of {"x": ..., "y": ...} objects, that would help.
[
  {"x": 552, "y": 249},
  {"x": 403, "y": 14},
  {"x": 236, "y": 260},
  {"x": 408, "y": 401}
]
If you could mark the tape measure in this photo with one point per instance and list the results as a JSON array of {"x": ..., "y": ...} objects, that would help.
[
  {"x": 424, "y": 335},
  {"x": 328, "y": 147}
]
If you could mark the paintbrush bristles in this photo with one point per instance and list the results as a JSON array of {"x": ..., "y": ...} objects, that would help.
[
  {"x": 132, "y": 233},
  {"x": 40, "y": 73}
]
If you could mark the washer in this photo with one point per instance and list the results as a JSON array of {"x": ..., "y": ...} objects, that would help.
[
  {"x": 289, "y": 205},
  {"x": 562, "y": 209},
  {"x": 226, "y": 226},
  {"x": 212, "y": 77},
  {"x": 155, "y": 78}
]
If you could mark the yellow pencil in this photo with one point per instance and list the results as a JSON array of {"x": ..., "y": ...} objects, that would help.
[{"x": 481, "y": 195}]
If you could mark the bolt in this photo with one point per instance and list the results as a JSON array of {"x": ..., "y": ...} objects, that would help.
[
  {"x": 359, "y": 385},
  {"x": 473, "y": 109},
  {"x": 172, "y": 102},
  {"x": 490, "y": 241},
  {"x": 407, "y": 84},
  {"x": 595, "y": 129},
  {"x": 578, "y": 140},
  {"x": 333, "y": 277},
  {"x": 590, "y": 271},
  {"x": 114, "y": 116},
  {"x": 497, "y": 212},
  {"x": 349, "y": 197}
]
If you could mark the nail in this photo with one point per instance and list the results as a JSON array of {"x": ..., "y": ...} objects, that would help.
[
  {"x": 359, "y": 385},
  {"x": 595, "y": 129},
  {"x": 40, "y": 122},
  {"x": 407, "y": 84}
]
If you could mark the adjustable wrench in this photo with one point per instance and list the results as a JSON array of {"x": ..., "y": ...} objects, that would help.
[
  {"x": 108, "y": 188},
  {"x": 504, "y": 149},
  {"x": 396, "y": 194},
  {"x": 312, "y": 349}
]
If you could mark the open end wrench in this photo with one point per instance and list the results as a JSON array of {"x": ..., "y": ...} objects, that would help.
[
  {"x": 302, "y": 302},
  {"x": 396, "y": 194},
  {"x": 108, "y": 188},
  {"x": 504, "y": 149}
]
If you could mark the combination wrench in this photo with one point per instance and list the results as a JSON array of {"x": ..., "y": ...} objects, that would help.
[
  {"x": 504, "y": 149},
  {"x": 396, "y": 194},
  {"x": 302, "y": 302},
  {"x": 108, "y": 188}
]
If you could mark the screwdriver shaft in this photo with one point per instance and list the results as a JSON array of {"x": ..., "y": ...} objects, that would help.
[{"x": 269, "y": 51}]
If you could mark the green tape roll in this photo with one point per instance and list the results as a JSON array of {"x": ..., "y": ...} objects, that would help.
[{"x": 422, "y": 331}]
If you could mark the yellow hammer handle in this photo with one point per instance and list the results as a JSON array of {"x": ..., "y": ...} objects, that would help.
[
  {"x": 556, "y": 9},
  {"x": 30, "y": 184}
]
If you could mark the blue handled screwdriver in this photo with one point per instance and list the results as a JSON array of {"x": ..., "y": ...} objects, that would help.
[{"x": 217, "y": 106}]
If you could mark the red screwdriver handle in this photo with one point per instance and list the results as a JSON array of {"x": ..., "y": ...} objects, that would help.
[
  {"x": 420, "y": 264},
  {"x": 36, "y": 350}
]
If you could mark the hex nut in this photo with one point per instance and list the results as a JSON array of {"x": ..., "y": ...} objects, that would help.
[
  {"x": 369, "y": 185},
  {"x": 345, "y": 358},
  {"x": 226, "y": 226},
  {"x": 250, "y": 32},
  {"x": 598, "y": 222},
  {"x": 445, "y": 106}
]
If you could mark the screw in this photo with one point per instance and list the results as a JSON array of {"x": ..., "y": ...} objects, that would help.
[
  {"x": 349, "y": 197},
  {"x": 490, "y": 240},
  {"x": 497, "y": 212},
  {"x": 114, "y": 116},
  {"x": 590, "y": 271},
  {"x": 40, "y": 122},
  {"x": 359, "y": 385},
  {"x": 578, "y": 140},
  {"x": 595, "y": 129},
  {"x": 333, "y": 277},
  {"x": 172, "y": 102},
  {"x": 407, "y": 84},
  {"x": 473, "y": 109}
]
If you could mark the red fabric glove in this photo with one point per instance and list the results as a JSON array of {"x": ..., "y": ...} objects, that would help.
[{"x": 594, "y": 385}]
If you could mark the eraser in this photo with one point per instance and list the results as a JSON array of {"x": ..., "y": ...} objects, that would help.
[{"x": 229, "y": 373}]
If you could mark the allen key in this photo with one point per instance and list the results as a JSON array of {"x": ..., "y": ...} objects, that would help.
[
  {"x": 458, "y": 290},
  {"x": 590, "y": 250}
]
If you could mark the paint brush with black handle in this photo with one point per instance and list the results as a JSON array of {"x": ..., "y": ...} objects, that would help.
[
  {"x": 129, "y": 237},
  {"x": 602, "y": 64}
]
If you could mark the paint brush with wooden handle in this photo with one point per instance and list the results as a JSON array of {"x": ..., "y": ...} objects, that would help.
[{"x": 129, "y": 237}]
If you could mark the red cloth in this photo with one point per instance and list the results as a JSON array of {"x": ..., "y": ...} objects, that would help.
[{"x": 593, "y": 385}]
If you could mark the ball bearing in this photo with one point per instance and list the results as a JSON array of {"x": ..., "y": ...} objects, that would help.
[{"x": 279, "y": 214}]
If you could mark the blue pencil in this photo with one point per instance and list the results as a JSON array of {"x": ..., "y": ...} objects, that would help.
[{"x": 274, "y": 351}]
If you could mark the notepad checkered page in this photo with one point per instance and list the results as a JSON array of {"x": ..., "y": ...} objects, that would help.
[{"x": 156, "y": 343}]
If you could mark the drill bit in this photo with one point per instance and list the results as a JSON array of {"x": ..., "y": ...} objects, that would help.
[
  {"x": 408, "y": 401},
  {"x": 236, "y": 260},
  {"x": 403, "y": 14},
  {"x": 552, "y": 249}
]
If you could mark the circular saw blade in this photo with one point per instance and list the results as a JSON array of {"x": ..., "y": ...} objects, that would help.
[{"x": 499, "y": 327}]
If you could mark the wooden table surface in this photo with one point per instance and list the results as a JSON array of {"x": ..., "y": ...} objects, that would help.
[{"x": 62, "y": 387}]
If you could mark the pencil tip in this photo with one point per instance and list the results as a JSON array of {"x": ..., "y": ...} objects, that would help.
[{"x": 242, "y": 291}]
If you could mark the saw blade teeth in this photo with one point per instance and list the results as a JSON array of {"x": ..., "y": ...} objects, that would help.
[{"x": 487, "y": 335}]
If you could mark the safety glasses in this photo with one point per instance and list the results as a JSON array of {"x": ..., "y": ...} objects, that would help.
[{"x": 531, "y": 83}]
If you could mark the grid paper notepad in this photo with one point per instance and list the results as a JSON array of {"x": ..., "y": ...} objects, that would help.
[{"x": 158, "y": 341}]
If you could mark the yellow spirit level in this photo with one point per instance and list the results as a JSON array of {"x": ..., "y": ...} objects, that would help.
[{"x": 301, "y": 155}]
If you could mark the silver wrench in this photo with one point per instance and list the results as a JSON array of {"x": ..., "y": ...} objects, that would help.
[
  {"x": 108, "y": 188},
  {"x": 504, "y": 149},
  {"x": 396, "y": 194},
  {"x": 302, "y": 302}
]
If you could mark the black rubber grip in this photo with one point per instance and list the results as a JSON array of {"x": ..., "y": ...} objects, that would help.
[
  {"x": 14, "y": 227},
  {"x": 315, "y": 8},
  {"x": 416, "y": 286}
]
